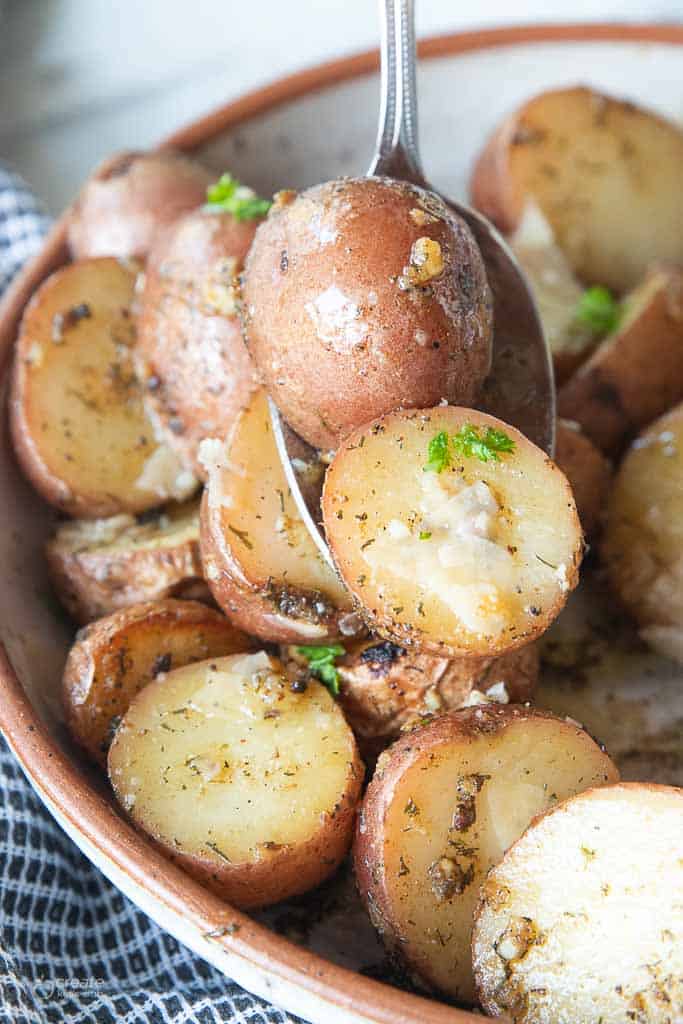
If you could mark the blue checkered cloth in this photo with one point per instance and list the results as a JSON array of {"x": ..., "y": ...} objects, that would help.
[{"x": 72, "y": 947}]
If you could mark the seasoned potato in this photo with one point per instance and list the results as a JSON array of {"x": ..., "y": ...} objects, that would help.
[
  {"x": 588, "y": 472},
  {"x": 444, "y": 551},
  {"x": 129, "y": 198},
  {"x": 445, "y": 803},
  {"x": 112, "y": 660},
  {"x": 582, "y": 921},
  {"x": 360, "y": 296},
  {"x": 190, "y": 353},
  {"x": 643, "y": 541},
  {"x": 251, "y": 786},
  {"x": 99, "y": 566},
  {"x": 261, "y": 564},
  {"x": 78, "y": 424},
  {"x": 604, "y": 173},
  {"x": 636, "y": 373}
]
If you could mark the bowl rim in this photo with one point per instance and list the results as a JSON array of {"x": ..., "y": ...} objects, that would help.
[{"x": 301, "y": 979}]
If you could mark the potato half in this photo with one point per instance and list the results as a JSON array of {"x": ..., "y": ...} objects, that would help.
[
  {"x": 475, "y": 559},
  {"x": 79, "y": 428},
  {"x": 636, "y": 373},
  {"x": 643, "y": 540},
  {"x": 605, "y": 174},
  {"x": 112, "y": 660},
  {"x": 588, "y": 472},
  {"x": 190, "y": 354},
  {"x": 251, "y": 786},
  {"x": 361, "y": 296},
  {"x": 582, "y": 921},
  {"x": 445, "y": 803},
  {"x": 98, "y": 566},
  {"x": 261, "y": 564},
  {"x": 129, "y": 198}
]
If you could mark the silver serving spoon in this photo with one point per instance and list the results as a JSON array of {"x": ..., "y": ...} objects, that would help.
[{"x": 520, "y": 388}]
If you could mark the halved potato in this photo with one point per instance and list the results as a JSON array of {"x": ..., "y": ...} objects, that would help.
[
  {"x": 444, "y": 551},
  {"x": 112, "y": 660},
  {"x": 98, "y": 566},
  {"x": 445, "y": 803},
  {"x": 605, "y": 174},
  {"x": 636, "y": 373},
  {"x": 78, "y": 423},
  {"x": 582, "y": 921},
  {"x": 261, "y": 564},
  {"x": 643, "y": 541},
  {"x": 588, "y": 472},
  {"x": 251, "y": 786},
  {"x": 129, "y": 198}
]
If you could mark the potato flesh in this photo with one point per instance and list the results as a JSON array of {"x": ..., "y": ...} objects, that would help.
[
  {"x": 643, "y": 543},
  {"x": 176, "y": 524},
  {"x": 470, "y": 560},
  {"x": 232, "y": 761},
  {"x": 521, "y": 770},
  {"x": 583, "y": 921},
  {"x": 87, "y": 443}
]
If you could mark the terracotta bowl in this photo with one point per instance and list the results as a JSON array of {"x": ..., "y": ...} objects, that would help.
[{"x": 306, "y": 128}]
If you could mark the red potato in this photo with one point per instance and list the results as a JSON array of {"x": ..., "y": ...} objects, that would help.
[
  {"x": 79, "y": 427},
  {"x": 249, "y": 785},
  {"x": 604, "y": 173},
  {"x": 190, "y": 354},
  {"x": 361, "y": 296},
  {"x": 129, "y": 198},
  {"x": 473, "y": 560},
  {"x": 443, "y": 806},
  {"x": 588, "y": 472},
  {"x": 112, "y": 660}
]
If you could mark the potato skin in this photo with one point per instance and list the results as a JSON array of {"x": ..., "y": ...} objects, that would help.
[
  {"x": 636, "y": 373},
  {"x": 190, "y": 354},
  {"x": 115, "y": 657},
  {"x": 588, "y": 472},
  {"x": 337, "y": 330},
  {"x": 129, "y": 197},
  {"x": 93, "y": 579}
]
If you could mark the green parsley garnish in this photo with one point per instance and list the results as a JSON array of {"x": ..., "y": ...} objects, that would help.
[
  {"x": 470, "y": 442},
  {"x": 438, "y": 453},
  {"x": 230, "y": 195},
  {"x": 321, "y": 664},
  {"x": 598, "y": 310},
  {"x": 425, "y": 534}
]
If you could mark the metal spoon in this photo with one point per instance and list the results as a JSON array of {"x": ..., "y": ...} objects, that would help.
[{"x": 520, "y": 388}]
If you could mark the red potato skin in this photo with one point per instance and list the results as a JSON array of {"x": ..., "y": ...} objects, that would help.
[
  {"x": 190, "y": 353},
  {"x": 588, "y": 472},
  {"x": 129, "y": 198},
  {"x": 336, "y": 334},
  {"x": 492, "y": 188},
  {"x": 252, "y": 607}
]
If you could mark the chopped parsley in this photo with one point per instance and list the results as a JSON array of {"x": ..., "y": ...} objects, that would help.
[
  {"x": 598, "y": 310},
  {"x": 470, "y": 442},
  {"x": 438, "y": 453},
  {"x": 321, "y": 664},
  {"x": 425, "y": 534},
  {"x": 230, "y": 195}
]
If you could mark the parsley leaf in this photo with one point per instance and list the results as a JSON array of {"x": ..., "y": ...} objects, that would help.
[
  {"x": 321, "y": 664},
  {"x": 438, "y": 453},
  {"x": 470, "y": 443},
  {"x": 242, "y": 202},
  {"x": 598, "y": 310},
  {"x": 425, "y": 534}
]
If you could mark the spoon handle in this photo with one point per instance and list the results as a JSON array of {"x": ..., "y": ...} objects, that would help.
[{"x": 396, "y": 151}]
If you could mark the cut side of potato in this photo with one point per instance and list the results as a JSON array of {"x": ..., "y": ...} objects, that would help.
[
  {"x": 604, "y": 173},
  {"x": 635, "y": 374},
  {"x": 112, "y": 660},
  {"x": 643, "y": 541},
  {"x": 588, "y": 472},
  {"x": 445, "y": 551},
  {"x": 78, "y": 423},
  {"x": 98, "y": 566},
  {"x": 445, "y": 803},
  {"x": 261, "y": 564},
  {"x": 582, "y": 921},
  {"x": 249, "y": 785}
]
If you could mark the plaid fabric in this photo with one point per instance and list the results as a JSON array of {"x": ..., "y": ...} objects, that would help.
[{"x": 72, "y": 947}]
